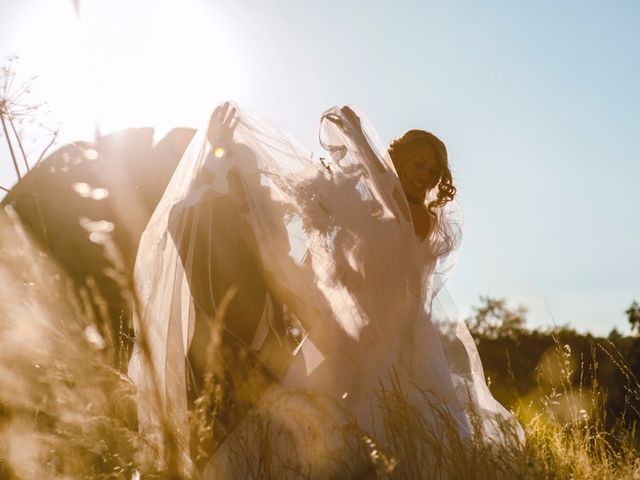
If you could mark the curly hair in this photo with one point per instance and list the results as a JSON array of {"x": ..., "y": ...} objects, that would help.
[{"x": 414, "y": 141}]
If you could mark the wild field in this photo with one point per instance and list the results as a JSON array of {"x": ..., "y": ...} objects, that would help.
[{"x": 67, "y": 411}]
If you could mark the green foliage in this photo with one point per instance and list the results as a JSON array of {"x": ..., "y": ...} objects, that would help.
[
  {"x": 521, "y": 363},
  {"x": 66, "y": 413},
  {"x": 633, "y": 314},
  {"x": 494, "y": 320}
]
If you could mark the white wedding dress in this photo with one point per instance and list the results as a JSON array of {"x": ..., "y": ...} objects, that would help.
[{"x": 338, "y": 249}]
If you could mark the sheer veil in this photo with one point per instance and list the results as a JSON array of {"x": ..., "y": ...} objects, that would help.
[{"x": 332, "y": 241}]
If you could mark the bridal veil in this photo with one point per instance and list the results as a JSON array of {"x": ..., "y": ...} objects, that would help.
[{"x": 332, "y": 242}]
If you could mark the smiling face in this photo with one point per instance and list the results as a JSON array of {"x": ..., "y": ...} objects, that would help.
[
  {"x": 422, "y": 164},
  {"x": 419, "y": 172}
]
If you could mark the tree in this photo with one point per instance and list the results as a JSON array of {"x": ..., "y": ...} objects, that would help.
[
  {"x": 494, "y": 319},
  {"x": 633, "y": 314}
]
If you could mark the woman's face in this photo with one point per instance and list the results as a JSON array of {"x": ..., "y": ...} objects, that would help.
[{"x": 419, "y": 173}]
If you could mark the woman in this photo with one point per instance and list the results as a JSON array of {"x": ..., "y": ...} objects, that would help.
[{"x": 355, "y": 249}]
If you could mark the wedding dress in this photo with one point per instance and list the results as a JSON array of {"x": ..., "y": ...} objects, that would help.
[{"x": 336, "y": 247}]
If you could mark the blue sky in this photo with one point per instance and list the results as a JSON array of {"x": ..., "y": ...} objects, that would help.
[{"x": 538, "y": 103}]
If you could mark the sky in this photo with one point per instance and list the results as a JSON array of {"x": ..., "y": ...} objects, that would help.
[{"x": 538, "y": 103}]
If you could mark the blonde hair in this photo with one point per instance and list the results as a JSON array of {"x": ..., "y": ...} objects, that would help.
[{"x": 415, "y": 141}]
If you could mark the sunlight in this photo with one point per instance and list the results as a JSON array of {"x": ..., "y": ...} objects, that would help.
[
  {"x": 151, "y": 63},
  {"x": 234, "y": 304},
  {"x": 121, "y": 64}
]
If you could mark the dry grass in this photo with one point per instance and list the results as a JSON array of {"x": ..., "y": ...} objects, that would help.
[{"x": 65, "y": 413}]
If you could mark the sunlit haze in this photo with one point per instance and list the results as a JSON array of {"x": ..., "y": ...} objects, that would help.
[{"x": 538, "y": 103}]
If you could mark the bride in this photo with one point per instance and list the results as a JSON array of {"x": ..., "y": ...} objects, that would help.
[{"x": 325, "y": 276}]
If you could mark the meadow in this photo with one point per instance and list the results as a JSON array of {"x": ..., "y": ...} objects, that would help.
[{"x": 68, "y": 411}]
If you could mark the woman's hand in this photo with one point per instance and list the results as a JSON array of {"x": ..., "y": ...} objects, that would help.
[
  {"x": 351, "y": 117},
  {"x": 224, "y": 120},
  {"x": 358, "y": 136},
  {"x": 349, "y": 122}
]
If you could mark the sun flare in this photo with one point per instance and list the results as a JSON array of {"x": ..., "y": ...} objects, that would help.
[
  {"x": 140, "y": 59},
  {"x": 121, "y": 64}
]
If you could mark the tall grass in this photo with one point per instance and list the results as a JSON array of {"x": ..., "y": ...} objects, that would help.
[{"x": 66, "y": 413}]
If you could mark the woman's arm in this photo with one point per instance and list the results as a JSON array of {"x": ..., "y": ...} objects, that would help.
[{"x": 391, "y": 191}]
